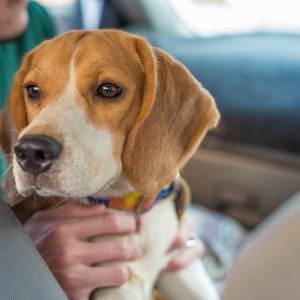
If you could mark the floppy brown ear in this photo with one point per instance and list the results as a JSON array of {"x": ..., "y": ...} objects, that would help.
[
  {"x": 6, "y": 128},
  {"x": 14, "y": 116},
  {"x": 17, "y": 99},
  {"x": 12, "y": 120},
  {"x": 175, "y": 115}
]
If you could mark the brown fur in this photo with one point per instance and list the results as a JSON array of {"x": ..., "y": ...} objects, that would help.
[{"x": 158, "y": 125}]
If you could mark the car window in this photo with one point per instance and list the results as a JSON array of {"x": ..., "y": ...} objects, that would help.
[{"x": 210, "y": 17}]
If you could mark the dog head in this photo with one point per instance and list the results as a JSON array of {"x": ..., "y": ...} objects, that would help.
[{"x": 90, "y": 107}]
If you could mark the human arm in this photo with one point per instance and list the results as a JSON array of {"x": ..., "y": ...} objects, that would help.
[
  {"x": 62, "y": 236},
  {"x": 185, "y": 255}
]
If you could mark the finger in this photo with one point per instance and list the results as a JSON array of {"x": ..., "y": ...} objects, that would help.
[
  {"x": 82, "y": 279},
  {"x": 186, "y": 228},
  {"x": 69, "y": 210},
  {"x": 99, "y": 277},
  {"x": 122, "y": 249},
  {"x": 107, "y": 223},
  {"x": 184, "y": 257}
]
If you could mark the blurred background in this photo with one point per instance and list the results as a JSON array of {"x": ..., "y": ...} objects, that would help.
[
  {"x": 247, "y": 54},
  {"x": 190, "y": 17}
]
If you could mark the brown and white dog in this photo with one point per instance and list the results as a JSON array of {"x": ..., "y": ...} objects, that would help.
[{"x": 103, "y": 113}]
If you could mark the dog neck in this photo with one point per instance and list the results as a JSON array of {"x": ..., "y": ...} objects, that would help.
[
  {"x": 117, "y": 195},
  {"x": 137, "y": 203}
]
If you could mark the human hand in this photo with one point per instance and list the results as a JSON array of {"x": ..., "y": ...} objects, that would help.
[
  {"x": 62, "y": 236},
  {"x": 185, "y": 255}
]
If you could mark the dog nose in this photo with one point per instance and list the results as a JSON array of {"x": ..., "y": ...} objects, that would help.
[{"x": 36, "y": 153}]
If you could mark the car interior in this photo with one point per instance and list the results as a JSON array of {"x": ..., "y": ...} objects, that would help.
[{"x": 245, "y": 176}]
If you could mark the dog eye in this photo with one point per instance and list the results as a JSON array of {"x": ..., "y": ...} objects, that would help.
[
  {"x": 33, "y": 92},
  {"x": 109, "y": 91}
]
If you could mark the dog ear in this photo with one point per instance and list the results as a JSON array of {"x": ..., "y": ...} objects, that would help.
[
  {"x": 17, "y": 97},
  {"x": 175, "y": 114},
  {"x": 13, "y": 119},
  {"x": 6, "y": 130}
]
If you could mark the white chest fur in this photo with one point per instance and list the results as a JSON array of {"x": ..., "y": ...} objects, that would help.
[{"x": 158, "y": 230}]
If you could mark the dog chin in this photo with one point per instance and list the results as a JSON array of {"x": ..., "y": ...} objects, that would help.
[
  {"x": 33, "y": 190},
  {"x": 49, "y": 192},
  {"x": 26, "y": 193},
  {"x": 41, "y": 191},
  {"x": 28, "y": 185}
]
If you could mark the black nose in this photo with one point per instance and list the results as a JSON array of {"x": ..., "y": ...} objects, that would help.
[{"x": 36, "y": 153}]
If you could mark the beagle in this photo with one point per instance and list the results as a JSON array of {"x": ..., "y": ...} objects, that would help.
[{"x": 96, "y": 115}]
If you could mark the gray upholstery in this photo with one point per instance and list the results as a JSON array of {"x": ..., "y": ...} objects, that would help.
[
  {"x": 255, "y": 80},
  {"x": 23, "y": 273}
]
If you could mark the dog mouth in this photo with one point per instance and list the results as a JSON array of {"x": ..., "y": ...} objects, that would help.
[
  {"x": 43, "y": 186},
  {"x": 67, "y": 177},
  {"x": 42, "y": 191}
]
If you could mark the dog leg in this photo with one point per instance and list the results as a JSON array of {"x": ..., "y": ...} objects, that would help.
[
  {"x": 158, "y": 230},
  {"x": 190, "y": 283}
]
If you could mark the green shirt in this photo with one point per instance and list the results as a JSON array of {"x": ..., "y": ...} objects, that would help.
[{"x": 39, "y": 28}]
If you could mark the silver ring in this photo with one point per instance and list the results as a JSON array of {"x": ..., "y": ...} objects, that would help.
[{"x": 193, "y": 241}]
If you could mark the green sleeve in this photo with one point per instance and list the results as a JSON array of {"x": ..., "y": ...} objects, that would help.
[{"x": 40, "y": 27}]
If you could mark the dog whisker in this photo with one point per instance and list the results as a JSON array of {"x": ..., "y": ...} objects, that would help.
[
  {"x": 60, "y": 202},
  {"x": 54, "y": 202},
  {"x": 13, "y": 194},
  {"x": 43, "y": 200},
  {"x": 7, "y": 155},
  {"x": 11, "y": 177},
  {"x": 7, "y": 169},
  {"x": 57, "y": 203},
  {"x": 34, "y": 200}
]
